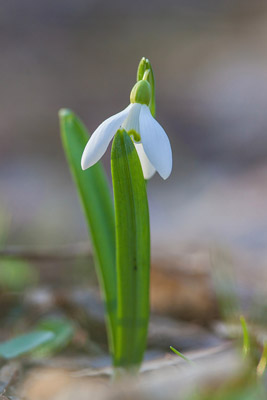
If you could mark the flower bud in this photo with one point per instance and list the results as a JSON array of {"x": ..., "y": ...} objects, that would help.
[
  {"x": 141, "y": 93},
  {"x": 143, "y": 66}
]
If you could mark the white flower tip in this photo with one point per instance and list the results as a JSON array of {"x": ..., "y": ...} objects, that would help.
[
  {"x": 84, "y": 161},
  {"x": 147, "y": 167},
  {"x": 156, "y": 143},
  {"x": 166, "y": 175},
  {"x": 83, "y": 167},
  {"x": 166, "y": 168},
  {"x": 65, "y": 113}
]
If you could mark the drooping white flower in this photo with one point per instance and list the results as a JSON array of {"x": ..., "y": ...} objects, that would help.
[{"x": 150, "y": 140}]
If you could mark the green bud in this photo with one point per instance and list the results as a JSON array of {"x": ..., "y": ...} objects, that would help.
[
  {"x": 146, "y": 75},
  {"x": 141, "y": 93},
  {"x": 143, "y": 66}
]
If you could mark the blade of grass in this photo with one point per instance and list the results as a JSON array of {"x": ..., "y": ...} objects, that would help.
[
  {"x": 95, "y": 196},
  {"x": 261, "y": 368},
  {"x": 132, "y": 251},
  {"x": 246, "y": 338},
  {"x": 180, "y": 355}
]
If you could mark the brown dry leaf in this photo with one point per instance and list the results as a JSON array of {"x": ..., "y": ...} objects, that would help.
[{"x": 183, "y": 288}]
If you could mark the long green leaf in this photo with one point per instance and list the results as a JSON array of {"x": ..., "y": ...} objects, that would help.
[
  {"x": 132, "y": 251},
  {"x": 98, "y": 207},
  {"x": 24, "y": 343}
]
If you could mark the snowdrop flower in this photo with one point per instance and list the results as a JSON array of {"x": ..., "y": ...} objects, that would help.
[{"x": 150, "y": 140}]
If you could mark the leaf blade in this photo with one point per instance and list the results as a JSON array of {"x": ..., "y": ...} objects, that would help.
[
  {"x": 63, "y": 330},
  {"x": 97, "y": 204},
  {"x": 132, "y": 251},
  {"x": 24, "y": 343}
]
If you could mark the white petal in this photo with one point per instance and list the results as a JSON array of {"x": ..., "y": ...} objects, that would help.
[
  {"x": 99, "y": 141},
  {"x": 147, "y": 167},
  {"x": 156, "y": 143},
  {"x": 131, "y": 123}
]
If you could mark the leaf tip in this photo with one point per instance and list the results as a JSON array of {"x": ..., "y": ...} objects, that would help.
[{"x": 65, "y": 113}]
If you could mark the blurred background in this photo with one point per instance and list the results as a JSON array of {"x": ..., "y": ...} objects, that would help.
[
  {"x": 209, "y": 61},
  {"x": 209, "y": 219},
  {"x": 210, "y": 65}
]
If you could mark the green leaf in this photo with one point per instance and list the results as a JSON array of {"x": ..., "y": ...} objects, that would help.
[
  {"x": 143, "y": 66},
  {"x": 63, "y": 331},
  {"x": 95, "y": 196},
  {"x": 132, "y": 251},
  {"x": 24, "y": 343}
]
